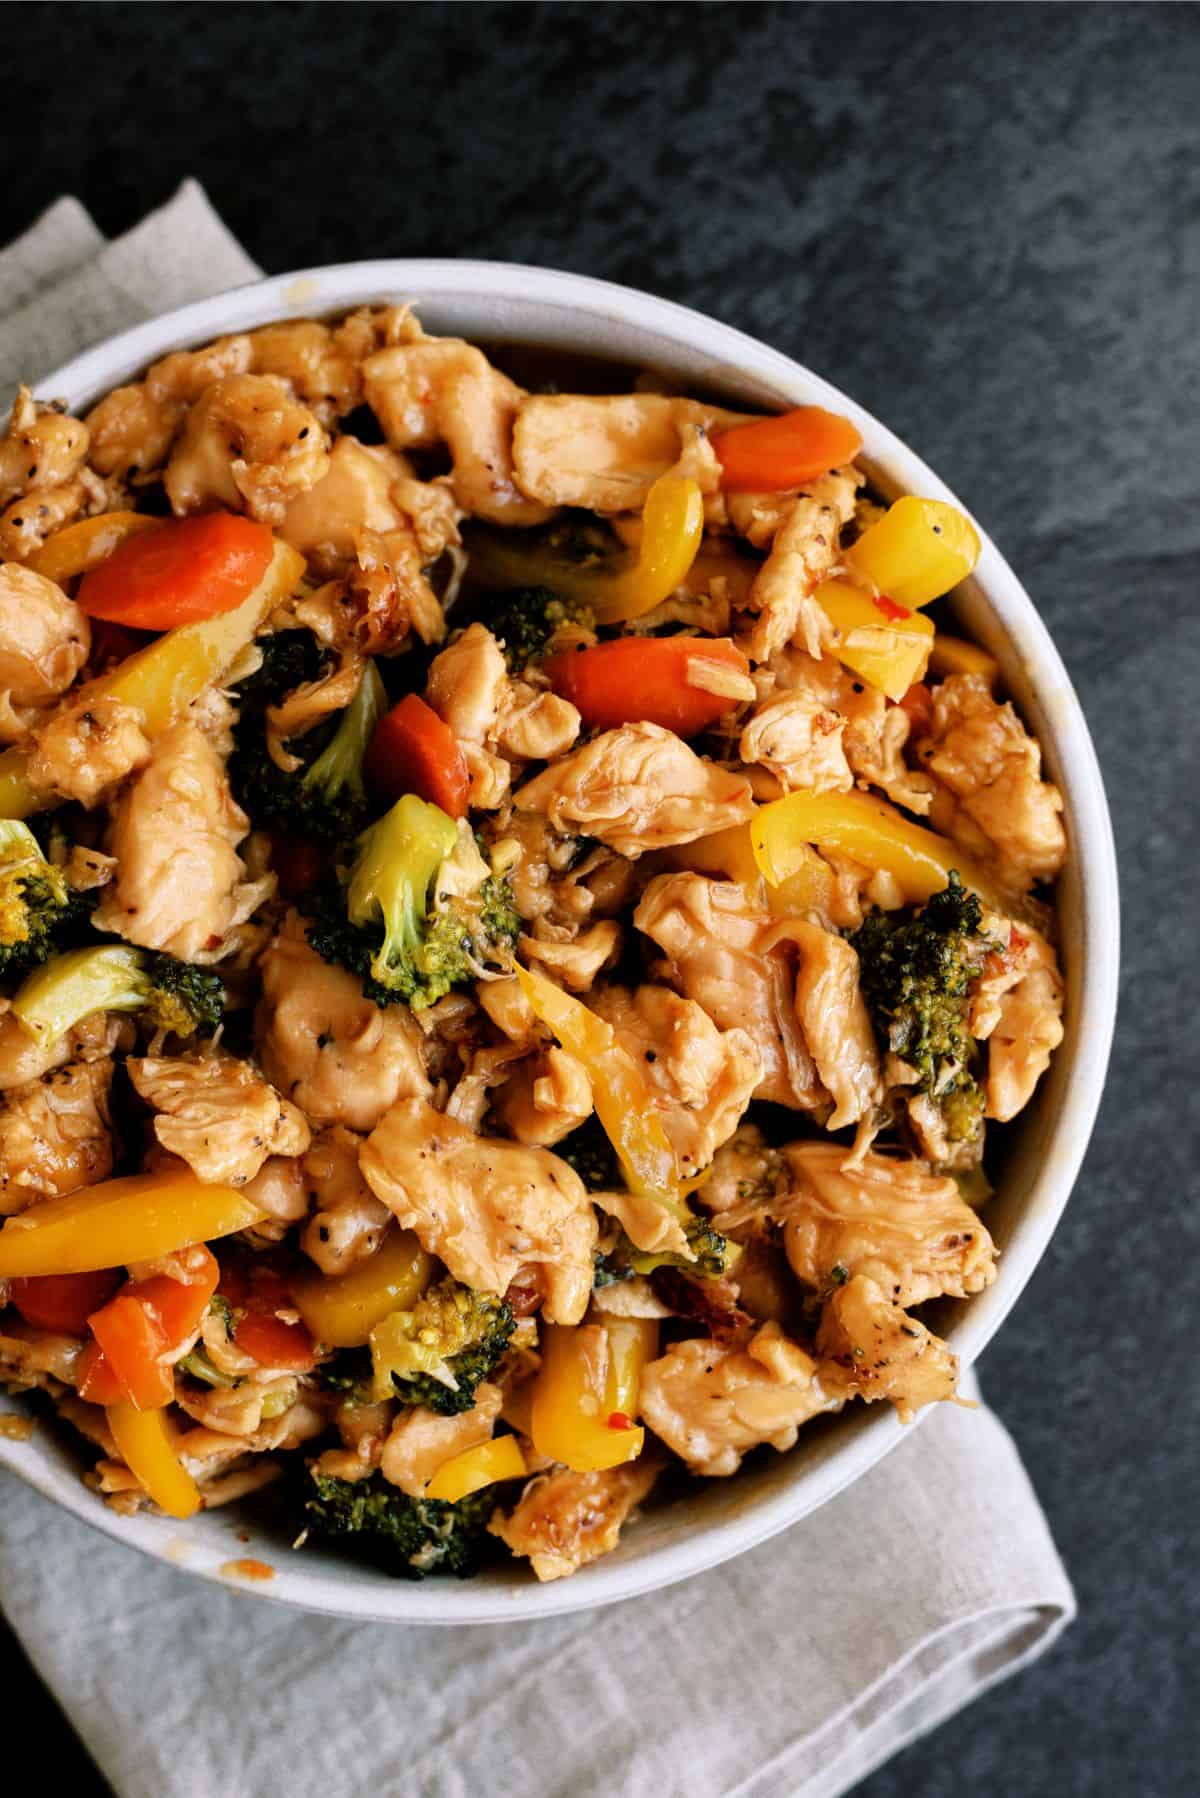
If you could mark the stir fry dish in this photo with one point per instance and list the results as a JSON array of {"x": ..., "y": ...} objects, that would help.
[{"x": 518, "y": 927}]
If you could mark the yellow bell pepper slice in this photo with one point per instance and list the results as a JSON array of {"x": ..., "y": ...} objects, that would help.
[
  {"x": 885, "y": 644},
  {"x": 619, "y": 1093},
  {"x": 342, "y": 1310},
  {"x": 866, "y": 829},
  {"x": 136, "y": 1218},
  {"x": 917, "y": 551},
  {"x": 144, "y": 1444},
  {"x": 85, "y": 545},
  {"x": 725, "y": 855},
  {"x": 667, "y": 542},
  {"x": 954, "y": 655},
  {"x": 163, "y": 679},
  {"x": 570, "y": 1419},
  {"x": 632, "y": 1342},
  {"x": 483, "y": 1465}
]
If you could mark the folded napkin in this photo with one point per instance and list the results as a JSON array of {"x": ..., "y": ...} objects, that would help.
[{"x": 788, "y": 1673}]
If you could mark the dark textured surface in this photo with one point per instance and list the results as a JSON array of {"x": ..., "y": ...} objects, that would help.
[{"x": 984, "y": 222}]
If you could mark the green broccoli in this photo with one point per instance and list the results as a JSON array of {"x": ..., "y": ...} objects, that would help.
[
  {"x": 419, "y": 912},
  {"x": 168, "y": 994},
  {"x": 407, "y": 1537},
  {"x": 713, "y": 1254},
  {"x": 438, "y": 1353},
  {"x": 525, "y": 619},
  {"x": 39, "y": 912},
  {"x": 916, "y": 968},
  {"x": 590, "y": 1152},
  {"x": 325, "y": 800},
  {"x": 289, "y": 660}
]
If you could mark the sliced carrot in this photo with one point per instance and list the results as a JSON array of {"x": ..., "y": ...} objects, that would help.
[
  {"x": 414, "y": 751},
  {"x": 272, "y": 1342},
  {"x": 94, "y": 1377},
  {"x": 658, "y": 680},
  {"x": 769, "y": 455},
  {"x": 64, "y": 1301},
  {"x": 185, "y": 570},
  {"x": 134, "y": 1343}
]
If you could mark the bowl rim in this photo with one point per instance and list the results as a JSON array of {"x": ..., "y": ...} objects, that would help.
[{"x": 518, "y": 290}]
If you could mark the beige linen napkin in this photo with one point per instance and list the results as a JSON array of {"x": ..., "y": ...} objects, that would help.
[{"x": 789, "y": 1673}]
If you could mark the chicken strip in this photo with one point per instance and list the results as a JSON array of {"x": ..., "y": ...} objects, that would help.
[
  {"x": 877, "y": 1351},
  {"x": 181, "y": 885},
  {"x": 804, "y": 551},
  {"x": 605, "y": 452},
  {"x": 420, "y": 1440},
  {"x": 218, "y": 1115},
  {"x": 638, "y": 788},
  {"x": 44, "y": 642},
  {"x": 700, "y": 1078},
  {"x": 563, "y": 1520},
  {"x": 712, "y": 1402},
  {"x": 799, "y": 741},
  {"x": 55, "y": 1134},
  {"x": 1029, "y": 1030},
  {"x": 488, "y": 1208},
  {"x": 249, "y": 446},
  {"x": 320, "y": 1040},
  {"x": 892, "y": 1220}
]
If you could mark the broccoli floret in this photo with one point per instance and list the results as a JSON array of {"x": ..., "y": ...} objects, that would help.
[
  {"x": 408, "y": 1537},
  {"x": 589, "y": 1151},
  {"x": 169, "y": 994},
  {"x": 438, "y": 1353},
  {"x": 419, "y": 912},
  {"x": 39, "y": 912},
  {"x": 525, "y": 619},
  {"x": 608, "y": 1269},
  {"x": 714, "y": 1254},
  {"x": 289, "y": 659},
  {"x": 916, "y": 969},
  {"x": 351, "y": 1374},
  {"x": 325, "y": 800}
]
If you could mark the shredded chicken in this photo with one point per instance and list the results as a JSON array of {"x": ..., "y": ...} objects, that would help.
[
  {"x": 488, "y": 1208},
  {"x": 247, "y": 445},
  {"x": 546, "y": 1096},
  {"x": 87, "y": 746},
  {"x": 180, "y": 882},
  {"x": 216, "y": 1114},
  {"x": 563, "y": 1520},
  {"x": 44, "y": 642},
  {"x": 984, "y": 757},
  {"x": 1021, "y": 1044},
  {"x": 804, "y": 551},
  {"x": 878, "y": 1352},
  {"x": 348, "y": 1221},
  {"x": 605, "y": 453},
  {"x": 638, "y": 788},
  {"x": 55, "y": 1134},
  {"x": 903, "y": 1227},
  {"x": 42, "y": 447},
  {"x": 337, "y": 1055},
  {"x": 712, "y": 1402},
  {"x": 835, "y": 1021},
  {"x": 420, "y": 1441},
  {"x": 798, "y": 740}
]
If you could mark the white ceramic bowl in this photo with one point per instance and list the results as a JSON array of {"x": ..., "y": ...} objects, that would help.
[{"x": 506, "y": 302}]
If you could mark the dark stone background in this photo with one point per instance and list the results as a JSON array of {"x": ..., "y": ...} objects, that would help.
[{"x": 984, "y": 222}]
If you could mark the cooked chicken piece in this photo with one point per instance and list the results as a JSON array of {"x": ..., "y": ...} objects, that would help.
[
  {"x": 308, "y": 705},
  {"x": 576, "y": 963},
  {"x": 236, "y": 1410},
  {"x": 638, "y": 788},
  {"x": 982, "y": 753},
  {"x": 799, "y": 741},
  {"x": 87, "y": 746},
  {"x": 758, "y": 516},
  {"x": 180, "y": 883},
  {"x": 182, "y": 377},
  {"x": 325, "y": 521},
  {"x": 26, "y": 523},
  {"x": 544, "y": 869},
  {"x": 1020, "y": 1046},
  {"x": 545, "y": 1097},
  {"x": 894, "y": 1221},
  {"x": 348, "y": 1221},
  {"x": 804, "y": 551},
  {"x": 42, "y": 447},
  {"x": 32, "y": 1357},
  {"x": 132, "y": 432},
  {"x": 55, "y": 1134},
  {"x": 712, "y": 1402},
  {"x": 247, "y": 445},
  {"x": 649, "y": 1225},
  {"x": 467, "y": 684},
  {"x": 441, "y": 390},
  {"x": 876, "y": 731},
  {"x": 363, "y": 1429},
  {"x": 487, "y": 1067},
  {"x": 563, "y": 1520},
  {"x": 534, "y": 725},
  {"x": 604, "y": 453},
  {"x": 204, "y": 1451},
  {"x": 699, "y": 1078},
  {"x": 44, "y": 639},
  {"x": 315, "y": 364},
  {"x": 341, "y": 1058},
  {"x": 876, "y": 1351},
  {"x": 488, "y": 1208},
  {"x": 24, "y": 1057},
  {"x": 748, "y": 1179},
  {"x": 733, "y": 961},
  {"x": 509, "y": 1009},
  {"x": 280, "y": 1191},
  {"x": 420, "y": 1440},
  {"x": 217, "y": 1114},
  {"x": 835, "y": 1021}
]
